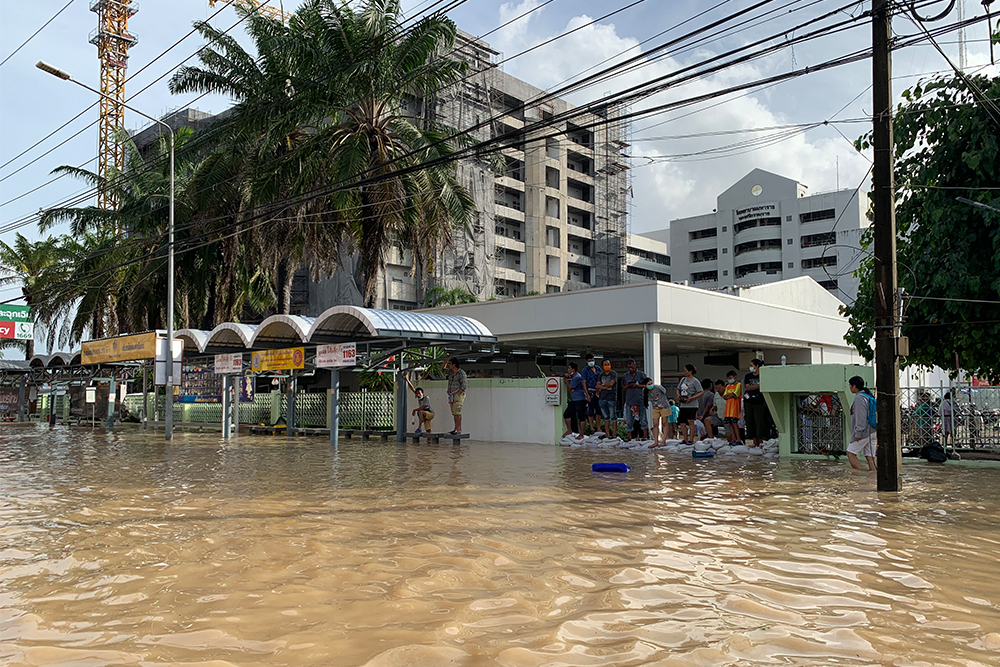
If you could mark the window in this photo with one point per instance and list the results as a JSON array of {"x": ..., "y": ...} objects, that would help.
[
  {"x": 725, "y": 251},
  {"x": 725, "y": 273},
  {"x": 813, "y": 216},
  {"x": 704, "y": 255},
  {"x": 791, "y": 265},
  {"x": 724, "y": 230},
  {"x": 750, "y": 224},
  {"x": 788, "y": 218},
  {"x": 790, "y": 241},
  {"x": 828, "y": 284},
  {"x": 704, "y": 277},
  {"x": 818, "y": 262},
  {"x": 552, "y": 289},
  {"x": 703, "y": 234},
  {"x": 551, "y": 207},
  {"x": 813, "y": 240}
]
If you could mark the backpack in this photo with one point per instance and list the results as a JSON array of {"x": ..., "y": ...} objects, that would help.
[
  {"x": 933, "y": 452},
  {"x": 872, "y": 414}
]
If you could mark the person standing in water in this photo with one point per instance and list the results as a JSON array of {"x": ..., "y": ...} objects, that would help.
[{"x": 862, "y": 432}]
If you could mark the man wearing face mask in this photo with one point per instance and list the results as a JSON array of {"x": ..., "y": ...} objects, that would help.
[
  {"x": 591, "y": 376},
  {"x": 758, "y": 417},
  {"x": 607, "y": 386}
]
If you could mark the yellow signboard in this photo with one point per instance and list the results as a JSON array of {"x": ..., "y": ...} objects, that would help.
[
  {"x": 291, "y": 358},
  {"x": 122, "y": 348}
]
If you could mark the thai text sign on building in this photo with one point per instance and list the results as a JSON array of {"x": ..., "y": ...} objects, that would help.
[
  {"x": 16, "y": 323},
  {"x": 336, "y": 355},
  {"x": 122, "y": 348},
  {"x": 292, "y": 358},
  {"x": 229, "y": 364}
]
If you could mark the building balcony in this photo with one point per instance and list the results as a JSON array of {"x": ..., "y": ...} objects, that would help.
[
  {"x": 703, "y": 244},
  {"x": 510, "y": 182},
  {"x": 769, "y": 254},
  {"x": 512, "y": 122},
  {"x": 757, "y": 234},
  {"x": 513, "y": 275},
  {"x": 582, "y": 232},
  {"x": 579, "y": 203},
  {"x": 507, "y": 211},
  {"x": 582, "y": 260},
  {"x": 510, "y": 244}
]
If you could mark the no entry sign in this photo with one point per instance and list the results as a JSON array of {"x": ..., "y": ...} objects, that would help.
[{"x": 552, "y": 391}]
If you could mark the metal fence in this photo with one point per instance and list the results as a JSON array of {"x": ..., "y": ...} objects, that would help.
[
  {"x": 367, "y": 409},
  {"x": 960, "y": 416},
  {"x": 819, "y": 424}
]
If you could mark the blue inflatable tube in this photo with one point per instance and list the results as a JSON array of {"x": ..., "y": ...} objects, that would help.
[
  {"x": 702, "y": 455},
  {"x": 610, "y": 467}
]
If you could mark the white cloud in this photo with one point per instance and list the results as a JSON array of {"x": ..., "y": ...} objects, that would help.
[{"x": 668, "y": 190}]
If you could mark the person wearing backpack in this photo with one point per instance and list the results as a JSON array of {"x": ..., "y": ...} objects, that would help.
[{"x": 863, "y": 422}]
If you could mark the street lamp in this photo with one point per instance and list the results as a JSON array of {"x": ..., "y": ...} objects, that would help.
[{"x": 169, "y": 416}]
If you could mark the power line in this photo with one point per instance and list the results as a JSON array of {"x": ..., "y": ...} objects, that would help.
[{"x": 54, "y": 17}]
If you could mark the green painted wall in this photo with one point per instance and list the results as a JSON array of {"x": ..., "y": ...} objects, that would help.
[{"x": 781, "y": 384}]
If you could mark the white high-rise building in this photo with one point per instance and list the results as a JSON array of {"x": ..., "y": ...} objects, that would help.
[{"x": 767, "y": 228}]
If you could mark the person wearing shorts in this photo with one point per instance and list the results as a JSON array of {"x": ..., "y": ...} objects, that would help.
[
  {"x": 575, "y": 414},
  {"x": 607, "y": 388},
  {"x": 458, "y": 382},
  {"x": 423, "y": 412},
  {"x": 591, "y": 375},
  {"x": 675, "y": 413},
  {"x": 689, "y": 390},
  {"x": 634, "y": 383},
  {"x": 733, "y": 395},
  {"x": 863, "y": 442},
  {"x": 660, "y": 406}
]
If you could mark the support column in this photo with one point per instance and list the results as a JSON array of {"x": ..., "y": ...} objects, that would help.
[
  {"x": 52, "y": 405},
  {"x": 889, "y": 449},
  {"x": 293, "y": 386},
  {"x": 20, "y": 397},
  {"x": 145, "y": 396},
  {"x": 400, "y": 403},
  {"x": 238, "y": 381},
  {"x": 334, "y": 407},
  {"x": 226, "y": 406},
  {"x": 651, "y": 351},
  {"x": 112, "y": 399}
]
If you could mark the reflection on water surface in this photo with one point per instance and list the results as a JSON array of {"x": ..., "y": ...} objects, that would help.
[{"x": 121, "y": 550}]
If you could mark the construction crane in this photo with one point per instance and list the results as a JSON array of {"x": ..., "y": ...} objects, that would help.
[
  {"x": 113, "y": 40},
  {"x": 258, "y": 5}
]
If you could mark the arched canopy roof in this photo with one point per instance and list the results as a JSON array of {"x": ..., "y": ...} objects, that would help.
[
  {"x": 59, "y": 359},
  {"x": 281, "y": 331},
  {"x": 194, "y": 339},
  {"x": 39, "y": 361},
  {"x": 76, "y": 358},
  {"x": 229, "y": 337},
  {"x": 348, "y": 323}
]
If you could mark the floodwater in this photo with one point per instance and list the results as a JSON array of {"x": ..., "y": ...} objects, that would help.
[{"x": 120, "y": 550}]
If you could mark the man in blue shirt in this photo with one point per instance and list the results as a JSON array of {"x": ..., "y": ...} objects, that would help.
[
  {"x": 591, "y": 375},
  {"x": 575, "y": 414}
]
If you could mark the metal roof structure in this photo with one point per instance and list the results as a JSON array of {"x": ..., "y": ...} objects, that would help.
[{"x": 336, "y": 325}]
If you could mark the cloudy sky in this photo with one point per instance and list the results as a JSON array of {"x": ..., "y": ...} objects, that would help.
[{"x": 666, "y": 186}]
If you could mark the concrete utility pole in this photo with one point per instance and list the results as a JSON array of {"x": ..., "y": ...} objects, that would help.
[{"x": 889, "y": 453}]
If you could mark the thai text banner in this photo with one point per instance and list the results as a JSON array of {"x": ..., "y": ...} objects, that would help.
[
  {"x": 291, "y": 358},
  {"x": 122, "y": 348}
]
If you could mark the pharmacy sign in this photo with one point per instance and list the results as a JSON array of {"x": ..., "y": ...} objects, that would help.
[{"x": 16, "y": 322}]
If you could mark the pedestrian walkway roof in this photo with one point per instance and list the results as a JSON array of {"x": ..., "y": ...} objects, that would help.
[{"x": 336, "y": 325}]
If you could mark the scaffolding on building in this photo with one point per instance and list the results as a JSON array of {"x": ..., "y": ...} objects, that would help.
[
  {"x": 614, "y": 194},
  {"x": 470, "y": 263}
]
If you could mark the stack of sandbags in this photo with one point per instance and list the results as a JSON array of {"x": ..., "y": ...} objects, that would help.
[{"x": 771, "y": 448}]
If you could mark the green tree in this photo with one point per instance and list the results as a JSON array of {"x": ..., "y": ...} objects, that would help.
[
  {"x": 946, "y": 147},
  {"x": 442, "y": 296}
]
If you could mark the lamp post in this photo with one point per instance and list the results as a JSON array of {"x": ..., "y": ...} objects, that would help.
[{"x": 169, "y": 416}]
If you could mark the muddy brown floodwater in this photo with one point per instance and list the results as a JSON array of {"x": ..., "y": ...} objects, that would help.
[{"x": 121, "y": 550}]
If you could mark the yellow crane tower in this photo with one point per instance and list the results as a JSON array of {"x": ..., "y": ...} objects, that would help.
[
  {"x": 273, "y": 12},
  {"x": 113, "y": 40}
]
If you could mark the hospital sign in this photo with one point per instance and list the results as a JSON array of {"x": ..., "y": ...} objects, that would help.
[{"x": 16, "y": 323}]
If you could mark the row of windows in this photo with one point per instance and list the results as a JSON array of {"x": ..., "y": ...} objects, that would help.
[
  {"x": 703, "y": 233},
  {"x": 645, "y": 273},
  {"x": 704, "y": 255},
  {"x": 762, "y": 267},
  {"x": 830, "y": 260},
  {"x": 813, "y": 216},
  {"x": 650, "y": 256},
  {"x": 750, "y": 224},
  {"x": 756, "y": 245}
]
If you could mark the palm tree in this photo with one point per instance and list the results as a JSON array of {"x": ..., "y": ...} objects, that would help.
[
  {"x": 441, "y": 296},
  {"x": 27, "y": 264},
  {"x": 321, "y": 109}
]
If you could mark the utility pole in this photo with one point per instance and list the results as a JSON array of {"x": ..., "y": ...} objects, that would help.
[{"x": 889, "y": 452}]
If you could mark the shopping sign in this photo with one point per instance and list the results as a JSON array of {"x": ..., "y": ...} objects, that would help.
[
  {"x": 229, "y": 364},
  {"x": 292, "y": 358},
  {"x": 16, "y": 323},
  {"x": 336, "y": 355},
  {"x": 552, "y": 391}
]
